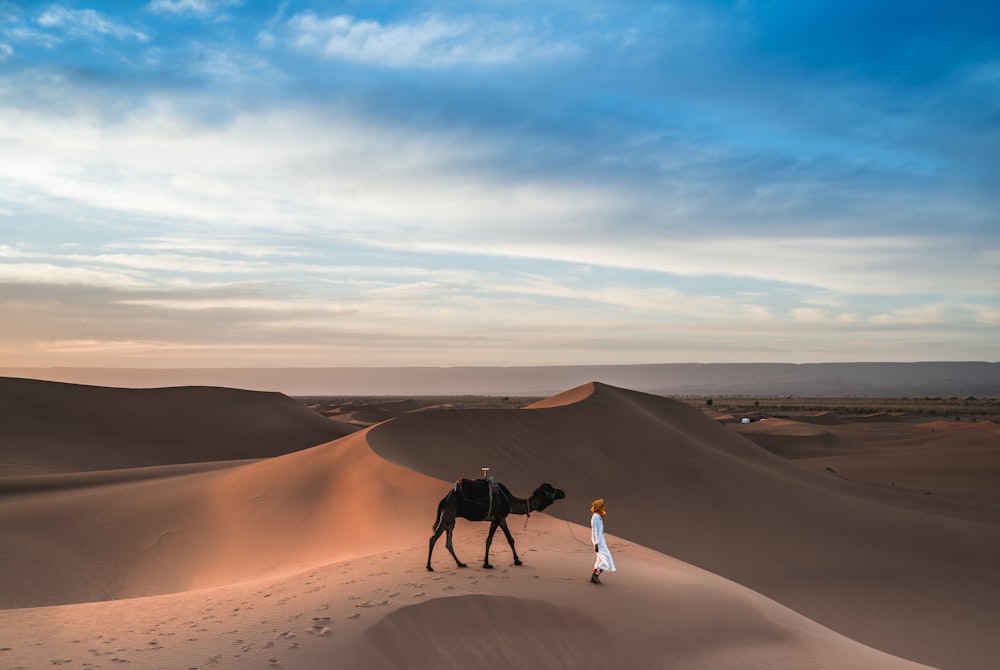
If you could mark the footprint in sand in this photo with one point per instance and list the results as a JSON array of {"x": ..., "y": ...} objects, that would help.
[
  {"x": 378, "y": 604},
  {"x": 320, "y": 630}
]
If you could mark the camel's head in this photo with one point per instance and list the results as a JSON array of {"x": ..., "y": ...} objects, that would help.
[{"x": 548, "y": 494}]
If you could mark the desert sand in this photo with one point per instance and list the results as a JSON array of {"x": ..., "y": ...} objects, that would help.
[{"x": 204, "y": 527}]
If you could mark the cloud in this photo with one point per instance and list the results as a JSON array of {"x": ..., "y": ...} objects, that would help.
[
  {"x": 923, "y": 315},
  {"x": 163, "y": 262},
  {"x": 256, "y": 305},
  {"x": 219, "y": 244},
  {"x": 986, "y": 314},
  {"x": 229, "y": 65},
  {"x": 657, "y": 184},
  {"x": 344, "y": 179},
  {"x": 191, "y": 7},
  {"x": 87, "y": 24},
  {"x": 22, "y": 34},
  {"x": 430, "y": 40},
  {"x": 52, "y": 274}
]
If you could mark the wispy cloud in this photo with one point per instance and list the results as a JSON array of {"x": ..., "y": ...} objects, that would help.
[
  {"x": 47, "y": 273},
  {"x": 191, "y": 7},
  {"x": 430, "y": 40},
  {"x": 87, "y": 24},
  {"x": 20, "y": 33}
]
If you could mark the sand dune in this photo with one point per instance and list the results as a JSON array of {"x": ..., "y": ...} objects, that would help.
[
  {"x": 873, "y": 563},
  {"x": 822, "y": 419},
  {"x": 327, "y": 503},
  {"x": 314, "y": 558},
  {"x": 956, "y": 463},
  {"x": 48, "y": 427}
]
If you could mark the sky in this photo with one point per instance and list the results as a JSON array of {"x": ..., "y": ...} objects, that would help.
[{"x": 226, "y": 183}]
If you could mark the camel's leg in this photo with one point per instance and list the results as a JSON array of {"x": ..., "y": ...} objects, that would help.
[
  {"x": 451, "y": 549},
  {"x": 445, "y": 524},
  {"x": 489, "y": 541},
  {"x": 430, "y": 551},
  {"x": 510, "y": 540}
]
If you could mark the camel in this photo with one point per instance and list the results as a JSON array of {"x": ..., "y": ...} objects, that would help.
[{"x": 486, "y": 500}]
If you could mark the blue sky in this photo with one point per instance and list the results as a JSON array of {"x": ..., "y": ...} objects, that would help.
[{"x": 216, "y": 183}]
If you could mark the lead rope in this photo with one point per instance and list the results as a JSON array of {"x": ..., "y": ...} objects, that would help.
[{"x": 569, "y": 525}]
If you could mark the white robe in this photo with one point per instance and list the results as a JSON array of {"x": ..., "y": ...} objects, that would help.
[{"x": 604, "y": 561}]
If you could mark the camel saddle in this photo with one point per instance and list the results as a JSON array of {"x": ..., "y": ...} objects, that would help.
[{"x": 479, "y": 494}]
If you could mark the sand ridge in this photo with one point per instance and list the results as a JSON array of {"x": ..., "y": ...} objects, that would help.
[
  {"x": 943, "y": 467},
  {"x": 314, "y": 558},
  {"x": 51, "y": 427},
  {"x": 681, "y": 483},
  {"x": 208, "y": 528}
]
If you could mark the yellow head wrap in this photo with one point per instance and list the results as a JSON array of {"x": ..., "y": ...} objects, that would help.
[{"x": 598, "y": 507}]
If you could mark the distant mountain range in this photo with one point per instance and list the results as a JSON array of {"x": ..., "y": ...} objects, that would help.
[{"x": 960, "y": 378}]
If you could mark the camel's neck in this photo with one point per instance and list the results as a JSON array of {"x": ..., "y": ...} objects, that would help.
[{"x": 522, "y": 506}]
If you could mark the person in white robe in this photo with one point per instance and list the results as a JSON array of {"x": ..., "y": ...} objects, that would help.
[{"x": 604, "y": 562}]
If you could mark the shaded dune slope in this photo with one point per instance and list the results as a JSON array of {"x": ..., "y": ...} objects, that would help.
[
  {"x": 50, "y": 427},
  {"x": 665, "y": 615},
  {"x": 794, "y": 439},
  {"x": 880, "y": 568},
  {"x": 956, "y": 462}
]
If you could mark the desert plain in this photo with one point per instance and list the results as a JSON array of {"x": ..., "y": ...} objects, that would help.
[{"x": 203, "y": 527}]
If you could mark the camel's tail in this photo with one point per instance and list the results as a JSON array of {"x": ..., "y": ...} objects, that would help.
[
  {"x": 444, "y": 501},
  {"x": 437, "y": 520}
]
